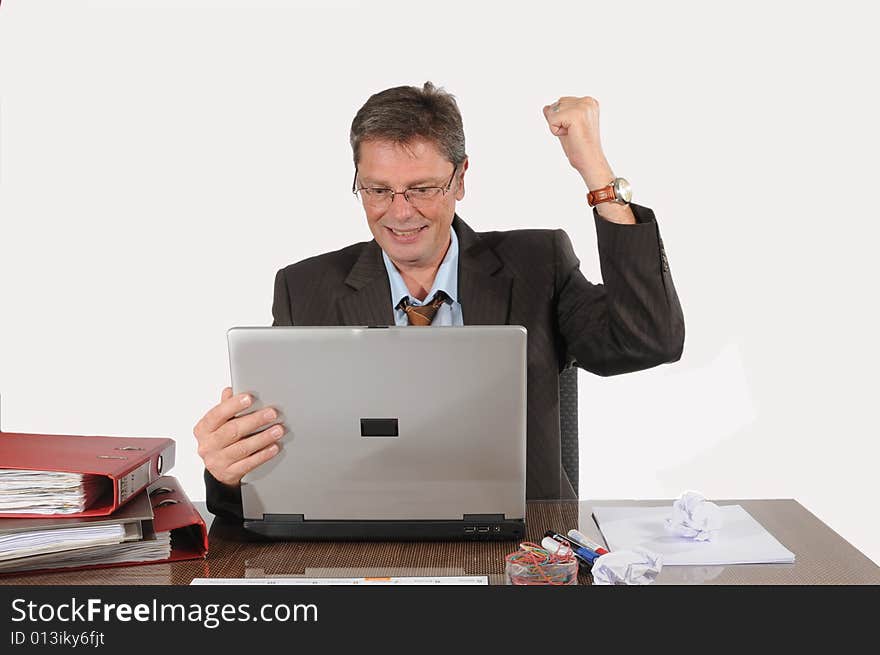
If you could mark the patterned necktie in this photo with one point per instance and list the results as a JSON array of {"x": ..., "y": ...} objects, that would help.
[{"x": 422, "y": 315}]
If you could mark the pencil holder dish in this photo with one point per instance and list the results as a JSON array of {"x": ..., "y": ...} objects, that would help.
[{"x": 527, "y": 573}]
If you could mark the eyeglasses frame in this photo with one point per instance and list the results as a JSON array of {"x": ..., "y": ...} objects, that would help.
[{"x": 444, "y": 190}]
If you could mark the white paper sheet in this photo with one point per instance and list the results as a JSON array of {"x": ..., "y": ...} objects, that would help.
[
  {"x": 695, "y": 517},
  {"x": 638, "y": 566},
  {"x": 742, "y": 540}
]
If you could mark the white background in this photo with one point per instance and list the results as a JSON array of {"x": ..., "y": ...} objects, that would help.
[{"x": 159, "y": 161}]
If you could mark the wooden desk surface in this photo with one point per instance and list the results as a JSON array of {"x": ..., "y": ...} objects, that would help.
[{"x": 822, "y": 556}]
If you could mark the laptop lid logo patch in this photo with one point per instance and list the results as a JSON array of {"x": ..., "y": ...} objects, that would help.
[{"x": 379, "y": 427}]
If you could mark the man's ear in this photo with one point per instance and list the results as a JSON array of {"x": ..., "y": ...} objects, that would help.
[{"x": 459, "y": 191}]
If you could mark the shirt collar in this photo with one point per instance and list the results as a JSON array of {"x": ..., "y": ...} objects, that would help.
[{"x": 446, "y": 279}]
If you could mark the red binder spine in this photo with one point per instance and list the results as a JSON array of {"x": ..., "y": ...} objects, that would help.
[{"x": 130, "y": 484}]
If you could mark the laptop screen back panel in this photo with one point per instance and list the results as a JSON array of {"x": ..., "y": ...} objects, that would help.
[{"x": 388, "y": 424}]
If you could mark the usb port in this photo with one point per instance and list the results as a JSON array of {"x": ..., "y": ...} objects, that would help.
[
  {"x": 469, "y": 529},
  {"x": 484, "y": 528}
]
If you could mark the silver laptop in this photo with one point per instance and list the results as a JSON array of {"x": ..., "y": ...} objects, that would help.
[{"x": 392, "y": 432}]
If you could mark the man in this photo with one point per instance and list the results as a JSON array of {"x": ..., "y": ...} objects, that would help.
[{"x": 426, "y": 266}]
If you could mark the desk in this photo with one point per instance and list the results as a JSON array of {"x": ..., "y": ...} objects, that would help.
[{"x": 822, "y": 556}]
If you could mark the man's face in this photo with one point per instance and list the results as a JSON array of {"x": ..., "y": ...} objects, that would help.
[{"x": 411, "y": 236}]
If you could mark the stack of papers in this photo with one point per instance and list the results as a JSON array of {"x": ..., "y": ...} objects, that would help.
[
  {"x": 38, "y": 542},
  {"x": 155, "y": 548},
  {"x": 741, "y": 540},
  {"x": 28, "y": 544},
  {"x": 49, "y": 492}
]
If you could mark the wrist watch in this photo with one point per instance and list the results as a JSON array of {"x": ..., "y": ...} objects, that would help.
[{"x": 619, "y": 191}]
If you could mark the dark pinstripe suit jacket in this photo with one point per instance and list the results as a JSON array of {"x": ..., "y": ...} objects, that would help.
[{"x": 521, "y": 277}]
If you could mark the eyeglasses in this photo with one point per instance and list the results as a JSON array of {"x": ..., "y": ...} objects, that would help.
[{"x": 419, "y": 196}]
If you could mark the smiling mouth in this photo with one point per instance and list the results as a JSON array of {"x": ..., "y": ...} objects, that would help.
[{"x": 407, "y": 233}]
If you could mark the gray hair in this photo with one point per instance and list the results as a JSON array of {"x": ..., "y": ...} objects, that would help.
[{"x": 405, "y": 113}]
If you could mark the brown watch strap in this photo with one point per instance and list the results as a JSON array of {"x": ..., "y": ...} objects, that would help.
[{"x": 605, "y": 194}]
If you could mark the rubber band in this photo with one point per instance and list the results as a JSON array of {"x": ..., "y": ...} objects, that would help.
[{"x": 532, "y": 564}]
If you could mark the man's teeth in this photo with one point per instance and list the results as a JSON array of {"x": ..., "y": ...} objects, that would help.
[{"x": 407, "y": 233}]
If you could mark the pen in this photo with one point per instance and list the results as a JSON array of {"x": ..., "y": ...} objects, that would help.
[
  {"x": 553, "y": 546},
  {"x": 586, "y": 554},
  {"x": 583, "y": 540}
]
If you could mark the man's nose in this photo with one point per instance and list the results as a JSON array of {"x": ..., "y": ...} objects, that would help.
[{"x": 401, "y": 208}]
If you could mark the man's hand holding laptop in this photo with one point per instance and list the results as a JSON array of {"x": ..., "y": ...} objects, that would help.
[{"x": 224, "y": 445}]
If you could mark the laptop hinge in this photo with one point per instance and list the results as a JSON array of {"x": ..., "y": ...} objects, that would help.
[
  {"x": 287, "y": 518},
  {"x": 299, "y": 518},
  {"x": 482, "y": 517}
]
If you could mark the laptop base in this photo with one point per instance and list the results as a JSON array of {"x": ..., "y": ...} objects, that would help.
[{"x": 294, "y": 528}]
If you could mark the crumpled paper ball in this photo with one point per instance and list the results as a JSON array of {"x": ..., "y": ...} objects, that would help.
[
  {"x": 638, "y": 566},
  {"x": 694, "y": 517}
]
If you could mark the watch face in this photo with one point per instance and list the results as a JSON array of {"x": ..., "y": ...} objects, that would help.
[{"x": 622, "y": 190}]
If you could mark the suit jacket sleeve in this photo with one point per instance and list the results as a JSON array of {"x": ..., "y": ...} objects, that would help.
[
  {"x": 633, "y": 320},
  {"x": 220, "y": 499}
]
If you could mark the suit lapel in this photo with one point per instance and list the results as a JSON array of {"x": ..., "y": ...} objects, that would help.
[
  {"x": 370, "y": 301},
  {"x": 483, "y": 292}
]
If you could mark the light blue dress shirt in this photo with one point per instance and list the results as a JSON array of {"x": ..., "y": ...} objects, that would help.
[{"x": 446, "y": 281}]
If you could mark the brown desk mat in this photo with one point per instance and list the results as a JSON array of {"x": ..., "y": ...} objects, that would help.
[
  {"x": 234, "y": 553},
  {"x": 822, "y": 556},
  {"x": 429, "y": 558}
]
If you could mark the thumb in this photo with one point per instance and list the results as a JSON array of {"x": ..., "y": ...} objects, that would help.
[{"x": 556, "y": 126}]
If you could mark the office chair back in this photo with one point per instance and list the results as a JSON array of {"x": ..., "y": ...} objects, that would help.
[{"x": 568, "y": 423}]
